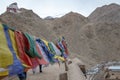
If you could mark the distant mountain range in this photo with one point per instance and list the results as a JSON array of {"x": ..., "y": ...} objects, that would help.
[{"x": 93, "y": 39}]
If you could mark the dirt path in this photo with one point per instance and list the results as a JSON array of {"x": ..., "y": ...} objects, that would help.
[{"x": 49, "y": 73}]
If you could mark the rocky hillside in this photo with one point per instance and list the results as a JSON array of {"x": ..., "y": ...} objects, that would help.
[
  {"x": 93, "y": 39},
  {"x": 100, "y": 37},
  {"x": 69, "y": 26},
  {"x": 100, "y": 42},
  {"x": 106, "y": 13},
  {"x": 27, "y": 21}
]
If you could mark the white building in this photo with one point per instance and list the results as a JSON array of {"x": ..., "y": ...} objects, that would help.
[{"x": 13, "y": 8}]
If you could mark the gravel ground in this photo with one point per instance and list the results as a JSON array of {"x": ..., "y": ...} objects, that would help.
[{"x": 49, "y": 73}]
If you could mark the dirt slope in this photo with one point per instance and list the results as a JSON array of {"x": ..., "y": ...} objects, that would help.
[
  {"x": 69, "y": 26},
  {"x": 100, "y": 42}
]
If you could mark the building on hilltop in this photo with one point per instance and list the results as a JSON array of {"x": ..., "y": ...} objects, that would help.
[{"x": 13, "y": 8}]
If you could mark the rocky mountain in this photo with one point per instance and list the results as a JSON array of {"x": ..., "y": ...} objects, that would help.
[
  {"x": 106, "y": 13},
  {"x": 93, "y": 39},
  {"x": 99, "y": 42},
  {"x": 49, "y": 18},
  {"x": 100, "y": 37},
  {"x": 69, "y": 26},
  {"x": 27, "y": 21}
]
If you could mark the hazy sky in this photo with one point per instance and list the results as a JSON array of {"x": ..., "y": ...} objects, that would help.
[{"x": 57, "y": 7}]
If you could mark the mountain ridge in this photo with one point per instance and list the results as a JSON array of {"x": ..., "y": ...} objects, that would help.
[{"x": 93, "y": 39}]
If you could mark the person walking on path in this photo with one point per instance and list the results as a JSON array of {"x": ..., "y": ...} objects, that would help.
[{"x": 40, "y": 68}]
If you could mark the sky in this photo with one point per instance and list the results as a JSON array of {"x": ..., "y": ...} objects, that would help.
[{"x": 57, "y": 8}]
